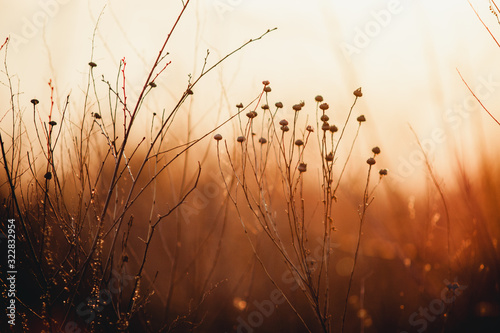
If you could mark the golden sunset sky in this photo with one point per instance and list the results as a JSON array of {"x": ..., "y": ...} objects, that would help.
[{"x": 404, "y": 54}]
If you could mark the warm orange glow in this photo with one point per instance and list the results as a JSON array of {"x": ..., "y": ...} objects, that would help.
[{"x": 337, "y": 174}]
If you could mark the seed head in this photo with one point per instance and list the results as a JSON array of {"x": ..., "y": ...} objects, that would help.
[
  {"x": 283, "y": 122},
  {"x": 218, "y": 137},
  {"x": 324, "y": 118},
  {"x": 34, "y": 101},
  {"x": 252, "y": 114},
  {"x": 376, "y": 150},
  {"x": 267, "y": 89},
  {"x": 239, "y": 106},
  {"x": 240, "y": 139},
  {"x": 48, "y": 175},
  {"x": 265, "y": 82},
  {"x": 189, "y": 91},
  {"x": 92, "y": 64},
  {"x": 297, "y": 107},
  {"x": 318, "y": 98},
  {"x": 152, "y": 84},
  {"x": 371, "y": 161},
  {"x": 329, "y": 157},
  {"x": 325, "y": 126},
  {"x": 262, "y": 140},
  {"x": 309, "y": 128},
  {"x": 302, "y": 103},
  {"x": 299, "y": 142},
  {"x": 279, "y": 105},
  {"x": 324, "y": 106},
  {"x": 285, "y": 128},
  {"x": 361, "y": 119},
  {"x": 265, "y": 107},
  {"x": 358, "y": 92},
  {"x": 383, "y": 172},
  {"x": 333, "y": 129},
  {"x": 97, "y": 115},
  {"x": 52, "y": 123},
  {"x": 302, "y": 167}
]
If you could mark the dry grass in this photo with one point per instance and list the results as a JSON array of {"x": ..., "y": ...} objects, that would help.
[
  {"x": 278, "y": 156},
  {"x": 73, "y": 184},
  {"x": 269, "y": 227}
]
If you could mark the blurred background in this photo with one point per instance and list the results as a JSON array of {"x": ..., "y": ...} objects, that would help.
[{"x": 404, "y": 54}]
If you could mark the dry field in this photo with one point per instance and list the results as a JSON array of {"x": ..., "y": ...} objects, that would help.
[{"x": 148, "y": 199}]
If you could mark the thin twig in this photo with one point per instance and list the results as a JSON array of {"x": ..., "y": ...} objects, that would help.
[{"x": 477, "y": 99}]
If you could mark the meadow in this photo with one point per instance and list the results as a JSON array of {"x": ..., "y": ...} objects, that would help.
[{"x": 145, "y": 199}]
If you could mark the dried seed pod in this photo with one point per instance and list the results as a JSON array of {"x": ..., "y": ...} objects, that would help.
[
  {"x": 189, "y": 91},
  {"x": 299, "y": 142},
  {"x": 324, "y": 106},
  {"x": 265, "y": 107},
  {"x": 52, "y": 123},
  {"x": 48, "y": 175},
  {"x": 283, "y": 122},
  {"x": 265, "y": 82},
  {"x": 152, "y": 84},
  {"x": 318, "y": 98},
  {"x": 279, "y": 105},
  {"x": 324, "y": 118},
  {"x": 262, "y": 140},
  {"x": 309, "y": 128},
  {"x": 371, "y": 161},
  {"x": 376, "y": 150},
  {"x": 218, "y": 137},
  {"x": 361, "y": 118},
  {"x": 383, "y": 172},
  {"x": 252, "y": 114},
  {"x": 325, "y": 126},
  {"x": 297, "y": 107},
  {"x": 97, "y": 115},
  {"x": 329, "y": 157},
  {"x": 358, "y": 92},
  {"x": 240, "y": 139},
  {"x": 302, "y": 167},
  {"x": 34, "y": 101},
  {"x": 285, "y": 128},
  {"x": 239, "y": 106},
  {"x": 92, "y": 64},
  {"x": 333, "y": 129},
  {"x": 267, "y": 89}
]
